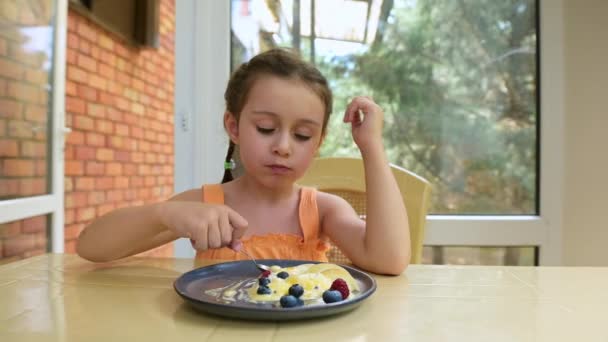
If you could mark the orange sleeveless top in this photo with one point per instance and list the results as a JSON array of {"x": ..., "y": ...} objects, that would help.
[{"x": 276, "y": 246}]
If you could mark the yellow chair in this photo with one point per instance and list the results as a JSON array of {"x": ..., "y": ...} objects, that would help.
[{"x": 345, "y": 177}]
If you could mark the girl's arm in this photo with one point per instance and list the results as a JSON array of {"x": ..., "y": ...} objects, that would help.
[
  {"x": 381, "y": 243},
  {"x": 128, "y": 231}
]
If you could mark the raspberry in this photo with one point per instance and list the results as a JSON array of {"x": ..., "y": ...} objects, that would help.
[
  {"x": 265, "y": 274},
  {"x": 341, "y": 286}
]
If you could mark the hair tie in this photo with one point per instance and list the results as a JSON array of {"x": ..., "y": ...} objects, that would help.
[{"x": 229, "y": 165}]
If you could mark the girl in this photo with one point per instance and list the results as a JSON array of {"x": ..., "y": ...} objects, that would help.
[{"x": 277, "y": 109}]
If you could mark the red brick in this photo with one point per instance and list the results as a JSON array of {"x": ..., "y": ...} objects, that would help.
[
  {"x": 36, "y": 113},
  {"x": 73, "y": 231},
  {"x": 86, "y": 31},
  {"x": 68, "y": 184},
  {"x": 10, "y": 229},
  {"x": 9, "y": 148},
  {"x": 72, "y": 40},
  {"x": 98, "y": 82},
  {"x": 74, "y": 168},
  {"x": 113, "y": 169},
  {"x": 38, "y": 77},
  {"x": 114, "y": 115},
  {"x": 97, "y": 197},
  {"x": 33, "y": 149},
  {"x": 34, "y": 224},
  {"x": 71, "y": 56},
  {"x": 122, "y": 156},
  {"x": 104, "y": 126},
  {"x": 85, "y": 214},
  {"x": 104, "y": 154},
  {"x": 11, "y": 69},
  {"x": 115, "y": 196},
  {"x": 105, "y": 208},
  {"x": 9, "y": 187},
  {"x": 75, "y": 138},
  {"x": 75, "y": 105},
  {"x": 84, "y": 183},
  {"x": 85, "y": 153},
  {"x": 76, "y": 74},
  {"x": 96, "y": 110},
  {"x": 83, "y": 122},
  {"x": 104, "y": 183},
  {"x": 18, "y": 245},
  {"x": 76, "y": 199},
  {"x": 69, "y": 216},
  {"x": 23, "y": 92},
  {"x": 87, "y": 93},
  {"x": 107, "y": 98},
  {"x": 95, "y": 139},
  {"x": 70, "y": 247},
  {"x": 121, "y": 182},
  {"x": 18, "y": 167},
  {"x": 94, "y": 168},
  {"x": 41, "y": 169},
  {"x": 116, "y": 143},
  {"x": 84, "y": 47},
  {"x": 86, "y": 63},
  {"x": 107, "y": 71}
]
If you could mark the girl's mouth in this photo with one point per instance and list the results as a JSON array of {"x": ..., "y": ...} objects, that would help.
[{"x": 278, "y": 169}]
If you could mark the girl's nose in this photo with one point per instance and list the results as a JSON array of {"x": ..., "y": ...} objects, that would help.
[{"x": 282, "y": 146}]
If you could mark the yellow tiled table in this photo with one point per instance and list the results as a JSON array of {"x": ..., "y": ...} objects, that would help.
[{"x": 65, "y": 298}]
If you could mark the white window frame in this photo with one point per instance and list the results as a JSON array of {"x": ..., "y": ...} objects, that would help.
[
  {"x": 52, "y": 203},
  {"x": 209, "y": 68}
]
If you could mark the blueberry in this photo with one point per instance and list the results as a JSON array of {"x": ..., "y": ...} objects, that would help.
[
  {"x": 296, "y": 290},
  {"x": 264, "y": 281},
  {"x": 290, "y": 301},
  {"x": 332, "y": 296},
  {"x": 265, "y": 290},
  {"x": 283, "y": 275}
]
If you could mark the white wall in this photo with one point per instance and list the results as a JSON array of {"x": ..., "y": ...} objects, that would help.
[{"x": 585, "y": 217}]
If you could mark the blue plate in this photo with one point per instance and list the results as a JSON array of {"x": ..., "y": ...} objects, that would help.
[{"x": 192, "y": 286}]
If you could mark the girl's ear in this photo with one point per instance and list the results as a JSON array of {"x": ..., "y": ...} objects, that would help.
[{"x": 232, "y": 127}]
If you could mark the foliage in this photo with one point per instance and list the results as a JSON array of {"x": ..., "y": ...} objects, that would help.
[{"x": 457, "y": 80}]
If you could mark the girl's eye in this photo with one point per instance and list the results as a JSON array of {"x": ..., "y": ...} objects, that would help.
[
  {"x": 302, "y": 137},
  {"x": 265, "y": 130}
]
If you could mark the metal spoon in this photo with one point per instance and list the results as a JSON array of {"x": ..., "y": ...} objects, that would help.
[{"x": 260, "y": 267}]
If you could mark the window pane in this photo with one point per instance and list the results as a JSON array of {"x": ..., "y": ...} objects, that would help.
[
  {"x": 23, "y": 239},
  {"x": 26, "y": 41},
  {"x": 457, "y": 81},
  {"x": 510, "y": 256}
]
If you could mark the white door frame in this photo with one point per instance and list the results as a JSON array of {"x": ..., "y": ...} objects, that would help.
[
  {"x": 209, "y": 65},
  {"x": 52, "y": 203}
]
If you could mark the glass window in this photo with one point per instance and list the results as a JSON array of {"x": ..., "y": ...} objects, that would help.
[
  {"x": 457, "y": 81},
  {"x": 23, "y": 238},
  {"x": 26, "y": 54}
]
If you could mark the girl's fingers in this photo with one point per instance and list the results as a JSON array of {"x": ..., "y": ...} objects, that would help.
[
  {"x": 200, "y": 238},
  {"x": 238, "y": 223},
  {"x": 214, "y": 237},
  {"x": 225, "y": 230}
]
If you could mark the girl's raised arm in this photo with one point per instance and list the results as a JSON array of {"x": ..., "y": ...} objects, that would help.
[{"x": 381, "y": 244}]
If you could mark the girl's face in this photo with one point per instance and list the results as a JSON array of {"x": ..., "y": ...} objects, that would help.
[{"x": 279, "y": 130}]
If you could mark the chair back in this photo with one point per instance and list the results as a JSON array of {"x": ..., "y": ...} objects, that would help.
[{"x": 345, "y": 177}]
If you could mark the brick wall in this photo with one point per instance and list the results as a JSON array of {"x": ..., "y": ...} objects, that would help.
[{"x": 119, "y": 104}]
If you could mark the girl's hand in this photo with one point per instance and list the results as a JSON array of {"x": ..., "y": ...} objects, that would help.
[
  {"x": 206, "y": 225},
  {"x": 366, "y": 119}
]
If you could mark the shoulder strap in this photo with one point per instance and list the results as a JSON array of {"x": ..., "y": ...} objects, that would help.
[
  {"x": 213, "y": 193},
  {"x": 309, "y": 213}
]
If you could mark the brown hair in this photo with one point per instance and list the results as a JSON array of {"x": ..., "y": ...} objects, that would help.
[{"x": 276, "y": 62}]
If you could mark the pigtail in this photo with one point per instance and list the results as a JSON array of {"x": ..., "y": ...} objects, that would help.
[{"x": 228, "y": 164}]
